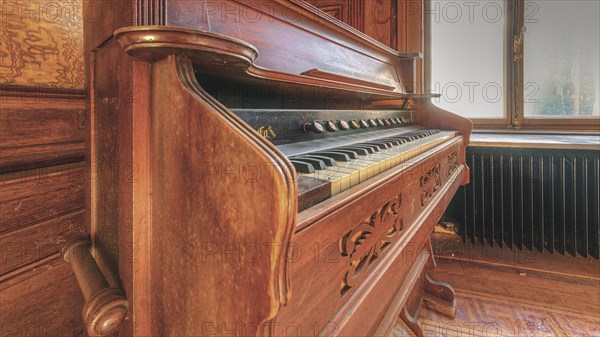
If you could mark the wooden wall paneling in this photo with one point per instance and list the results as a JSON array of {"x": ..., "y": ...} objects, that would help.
[
  {"x": 32, "y": 243},
  {"x": 41, "y": 300},
  {"x": 41, "y": 194},
  {"x": 38, "y": 132},
  {"x": 42, "y": 151}
]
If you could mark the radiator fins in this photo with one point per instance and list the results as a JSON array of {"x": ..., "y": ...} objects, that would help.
[{"x": 531, "y": 199}]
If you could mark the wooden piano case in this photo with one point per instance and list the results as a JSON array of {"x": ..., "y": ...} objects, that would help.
[{"x": 194, "y": 215}]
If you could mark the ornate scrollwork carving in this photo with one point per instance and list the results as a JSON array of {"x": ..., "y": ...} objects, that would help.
[
  {"x": 368, "y": 241},
  {"x": 452, "y": 164},
  {"x": 430, "y": 183}
]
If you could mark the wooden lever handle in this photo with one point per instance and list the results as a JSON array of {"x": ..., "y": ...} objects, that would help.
[{"x": 105, "y": 307}]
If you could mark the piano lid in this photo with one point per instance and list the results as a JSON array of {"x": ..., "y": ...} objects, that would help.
[{"x": 298, "y": 43}]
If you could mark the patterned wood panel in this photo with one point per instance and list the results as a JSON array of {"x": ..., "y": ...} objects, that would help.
[{"x": 42, "y": 45}]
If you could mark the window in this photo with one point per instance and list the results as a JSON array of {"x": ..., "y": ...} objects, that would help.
[
  {"x": 561, "y": 59},
  {"x": 514, "y": 63},
  {"x": 469, "y": 79}
]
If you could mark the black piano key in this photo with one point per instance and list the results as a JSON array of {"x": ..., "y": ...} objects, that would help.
[
  {"x": 381, "y": 145},
  {"x": 358, "y": 150},
  {"x": 408, "y": 138},
  {"x": 351, "y": 154},
  {"x": 395, "y": 142},
  {"x": 302, "y": 167},
  {"x": 400, "y": 140},
  {"x": 328, "y": 161},
  {"x": 369, "y": 149},
  {"x": 316, "y": 163},
  {"x": 333, "y": 155}
]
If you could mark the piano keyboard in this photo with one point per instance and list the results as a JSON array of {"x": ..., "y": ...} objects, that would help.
[{"x": 346, "y": 166}]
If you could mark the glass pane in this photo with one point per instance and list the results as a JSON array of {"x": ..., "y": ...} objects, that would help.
[
  {"x": 467, "y": 56},
  {"x": 561, "y": 58}
]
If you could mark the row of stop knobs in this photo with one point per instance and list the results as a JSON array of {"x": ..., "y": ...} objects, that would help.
[{"x": 332, "y": 126}]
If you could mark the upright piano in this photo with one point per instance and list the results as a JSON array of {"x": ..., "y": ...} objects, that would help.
[{"x": 258, "y": 168}]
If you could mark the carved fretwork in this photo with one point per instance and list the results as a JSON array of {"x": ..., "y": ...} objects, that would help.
[
  {"x": 368, "y": 241},
  {"x": 430, "y": 183},
  {"x": 452, "y": 163}
]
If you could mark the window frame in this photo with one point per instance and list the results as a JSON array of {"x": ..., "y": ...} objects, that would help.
[{"x": 514, "y": 86}]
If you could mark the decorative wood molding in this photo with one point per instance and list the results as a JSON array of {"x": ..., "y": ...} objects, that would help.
[
  {"x": 151, "y": 12},
  {"x": 368, "y": 241}
]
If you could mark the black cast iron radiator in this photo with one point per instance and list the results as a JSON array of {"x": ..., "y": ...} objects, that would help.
[{"x": 542, "y": 199}]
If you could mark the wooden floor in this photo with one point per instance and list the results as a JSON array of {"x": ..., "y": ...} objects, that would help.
[{"x": 513, "y": 293}]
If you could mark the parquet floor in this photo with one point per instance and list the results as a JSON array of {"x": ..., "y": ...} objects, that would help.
[{"x": 541, "y": 296}]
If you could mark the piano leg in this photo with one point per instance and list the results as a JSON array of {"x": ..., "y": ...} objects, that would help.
[
  {"x": 438, "y": 296},
  {"x": 435, "y": 295}
]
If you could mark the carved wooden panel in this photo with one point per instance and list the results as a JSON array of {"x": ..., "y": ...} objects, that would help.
[
  {"x": 42, "y": 44},
  {"x": 368, "y": 241},
  {"x": 430, "y": 182},
  {"x": 347, "y": 11}
]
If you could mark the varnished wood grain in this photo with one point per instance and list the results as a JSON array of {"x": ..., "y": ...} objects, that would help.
[
  {"x": 200, "y": 218},
  {"x": 374, "y": 18},
  {"x": 37, "y": 132},
  {"x": 27, "y": 122},
  {"x": 29, "y": 244},
  {"x": 347, "y": 11},
  {"x": 42, "y": 45},
  {"x": 381, "y": 21},
  {"x": 42, "y": 119},
  {"x": 42, "y": 194},
  {"x": 380, "y": 75},
  {"x": 41, "y": 300}
]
